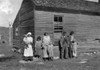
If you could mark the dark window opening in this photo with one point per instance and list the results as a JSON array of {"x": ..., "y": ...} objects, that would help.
[
  {"x": 55, "y": 19},
  {"x": 58, "y": 29},
  {"x": 58, "y": 18}
]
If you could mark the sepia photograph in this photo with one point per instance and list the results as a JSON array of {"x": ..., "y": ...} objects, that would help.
[{"x": 49, "y": 34}]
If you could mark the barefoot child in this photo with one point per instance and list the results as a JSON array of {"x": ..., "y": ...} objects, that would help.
[
  {"x": 50, "y": 51},
  {"x": 74, "y": 48}
]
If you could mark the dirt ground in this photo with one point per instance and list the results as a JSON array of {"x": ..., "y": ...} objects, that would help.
[{"x": 88, "y": 59}]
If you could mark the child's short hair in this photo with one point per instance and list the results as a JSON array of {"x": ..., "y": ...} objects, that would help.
[
  {"x": 45, "y": 33},
  {"x": 38, "y": 38},
  {"x": 72, "y": 32},
  {"x": 73, "y": 41}
]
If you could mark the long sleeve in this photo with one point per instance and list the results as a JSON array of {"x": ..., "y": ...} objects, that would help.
[{"x": 61, "y": 41}]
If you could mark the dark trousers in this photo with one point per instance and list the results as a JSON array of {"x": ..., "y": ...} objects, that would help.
[
  {"x": 70, "y": 52},
  {"x": 63, "y": 52}
]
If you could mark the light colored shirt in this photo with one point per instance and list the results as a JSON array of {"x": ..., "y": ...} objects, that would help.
[
  {"x": 72, "y": 38},
  {"x": 46, "y": 40},
  {"x": 28, "y": 40}
]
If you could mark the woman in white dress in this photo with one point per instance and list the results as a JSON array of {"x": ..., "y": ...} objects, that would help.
[
  {"x": 47, "y": 47},
  {"x": 28, "y": 51}
]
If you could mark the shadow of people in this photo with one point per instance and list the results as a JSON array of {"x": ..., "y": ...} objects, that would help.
[{"x": 5, "y": 58}]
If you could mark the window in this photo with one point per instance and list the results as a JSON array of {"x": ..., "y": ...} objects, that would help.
[
  {"x": 57, "y": 18},
  {"x": 58, "y": 26},
  {"x": 58, "y": 29},
  {"x": 16, "y": 31}
]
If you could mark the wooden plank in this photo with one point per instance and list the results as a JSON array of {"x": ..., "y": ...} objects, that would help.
[
  {"x": 26, "y": 4},
  {"x": 26, "y": 7},
  {"x": 26, "y": 16},
  {"x": 27, "y": 23},
  {"x": 83, "y": 25},
  {"x": 43, "y": 25},
  {"x": 24, "y": 11},
  {"x": 43, "y": 29}
]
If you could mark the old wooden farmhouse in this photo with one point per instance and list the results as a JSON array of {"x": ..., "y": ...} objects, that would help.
[{"x": 54, "y": 16}]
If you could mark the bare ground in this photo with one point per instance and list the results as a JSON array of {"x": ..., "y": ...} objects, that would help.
[{"x": 91, "y": 56}]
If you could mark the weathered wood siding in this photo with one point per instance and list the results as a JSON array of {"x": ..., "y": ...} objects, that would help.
[
  {"x": 43, "y": 23},
  {"x": 16, "y": 39},
  {"x": 26, "y": 14},
  {"x": 86, "y": 27},
  {"x": 24, "y": 22}
]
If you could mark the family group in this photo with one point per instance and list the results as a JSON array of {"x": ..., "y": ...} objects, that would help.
[{"x": 44, "y": 47}]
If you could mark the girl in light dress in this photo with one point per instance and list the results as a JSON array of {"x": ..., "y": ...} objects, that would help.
[
  {"x": 74, "y": 48},
  {"x": 47, "y": 47},
  {"x": 73, "y": 45}
]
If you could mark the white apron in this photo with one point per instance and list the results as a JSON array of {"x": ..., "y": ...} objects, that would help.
[{"x": 28, "y": 51}]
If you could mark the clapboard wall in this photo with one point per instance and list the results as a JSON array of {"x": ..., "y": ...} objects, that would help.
[
  {"x": 43, "y": 23},
  {"x": 86, "y": 27}
]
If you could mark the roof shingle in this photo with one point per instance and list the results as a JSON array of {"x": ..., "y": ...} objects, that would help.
[{"x": 69, "y": 4}]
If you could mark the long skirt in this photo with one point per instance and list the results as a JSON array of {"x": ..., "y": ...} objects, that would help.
[
  {"x": 38, "y": 52},
  {"x": 50, "y": 50},
  {"x": 28, "y": 52},
  {"x": 45, "y": 51}
]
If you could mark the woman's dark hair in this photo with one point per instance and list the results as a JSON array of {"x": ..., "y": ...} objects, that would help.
[
  {"x": 63, "y": 32},
  {"x": 73, "y": 41},
  {"x": 72, "y": 32},
  {"x": 45, "y": 33},
  {"x": 38, "y": 38}
]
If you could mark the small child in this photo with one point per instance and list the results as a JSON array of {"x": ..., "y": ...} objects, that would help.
[
  {"x": 50, "y": 51},
  {"x": 74, "y": 48},
  {"x": 38, "y": 46}
]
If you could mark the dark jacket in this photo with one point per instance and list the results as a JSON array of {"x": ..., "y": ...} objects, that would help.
[{"x": 64, "y": 41}]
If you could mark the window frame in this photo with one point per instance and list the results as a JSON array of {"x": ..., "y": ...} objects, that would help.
[
  {"x": 58, "y": 23},
  {"x": 58, "y": 18}
]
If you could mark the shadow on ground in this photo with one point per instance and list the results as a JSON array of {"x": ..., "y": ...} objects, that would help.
[{"x": 7, "y": 58}]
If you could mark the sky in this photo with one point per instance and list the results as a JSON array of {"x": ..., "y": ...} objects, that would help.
[{"x": 8, "y": 11}]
